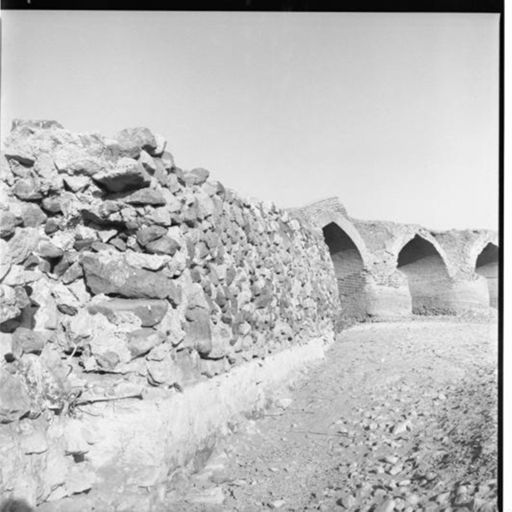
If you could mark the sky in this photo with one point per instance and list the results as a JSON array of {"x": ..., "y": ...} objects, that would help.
[{"x": 396, "y": 114}]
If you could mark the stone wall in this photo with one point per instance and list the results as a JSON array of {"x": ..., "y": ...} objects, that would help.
[
  {"x": 126, "y": 280},
  {"x": 143, "y": 306}
]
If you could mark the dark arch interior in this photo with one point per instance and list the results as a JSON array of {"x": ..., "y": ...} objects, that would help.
[
  {"x": 348, "y": 268},
  {"x": 344, "y": 253},
  {"x": 489, "y": 254},
  {"x": 487, "y": 266},
  {"x": 427, "y": 276},
  {"x": 416, "y": 250}
]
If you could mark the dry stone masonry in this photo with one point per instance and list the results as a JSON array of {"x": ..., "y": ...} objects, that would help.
[
  {"x": 126, "y": 285},
  {"x": 142, "y": 306}
]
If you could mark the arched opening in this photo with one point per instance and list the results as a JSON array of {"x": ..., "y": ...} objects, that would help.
[
  {"x": 427, "y": 277},
  {"x": 348, "y": 268},
  {"x": 487, "y": 266}
]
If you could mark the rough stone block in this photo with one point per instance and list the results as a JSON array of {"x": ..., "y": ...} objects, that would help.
[
  {"x": 47, "y": 249},
  {"x": 146, "y": 196},
  {"x": 163, "y": 245},
  {"x": 21, "y": 152},
  {"x": 22, "y": 244},
  {"x": 10, "y": 306},
  {"x": 77, "y": 183},
  {"x": 8, "y": 223},
  {"x": 75, "y": 160},
  {"x": 126, "y": 175},
  {"x": 26, "y": 341},
  {"x": 32, "y": 216},
  {"x": 111, "y": 275},
  {"x": 196, "y": 176},
  {"x": 132, "y": 140},
  {"x": 198, "y": 333},
  {"x": 14, "y": 398},
  {"x": 147, "y": 234},
  {"x": 141, "y": 341},
  {"x": 27, "y": 189},
  {"x": 150, "y": 311}
]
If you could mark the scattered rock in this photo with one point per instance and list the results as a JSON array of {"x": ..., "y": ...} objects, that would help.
[
  {"x": 401, "y": 427},
  {"x": 395, "y": 469},
  {"x": 443, "y": 498},
  {"x": 387, "y": 505},
  {"x": 430, "y": 476},
  {"x": 347, "y": 501}
]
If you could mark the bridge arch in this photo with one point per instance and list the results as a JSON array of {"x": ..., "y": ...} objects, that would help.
[
  {"x": 327, "y": 217},
  {"x": 427, "y": 274},
  {"x": 345, "y": 255},
  {"x": 486, "y": 265},
  {"x": 349, "y": 258}
]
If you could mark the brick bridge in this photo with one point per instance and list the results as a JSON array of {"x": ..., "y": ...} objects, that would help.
[{"x": 390, "y": 270}]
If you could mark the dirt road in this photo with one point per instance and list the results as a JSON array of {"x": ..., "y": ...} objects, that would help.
[{"x": 399, "y": 416}]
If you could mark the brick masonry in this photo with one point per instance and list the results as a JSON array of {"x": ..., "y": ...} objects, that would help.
[{"x": 444, "y": 278}]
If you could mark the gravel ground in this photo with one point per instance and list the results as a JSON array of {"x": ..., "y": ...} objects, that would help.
[{"x": 399, "y": 416}]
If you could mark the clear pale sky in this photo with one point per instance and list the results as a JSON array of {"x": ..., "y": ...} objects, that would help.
[{"x": 397, "y": 114}]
